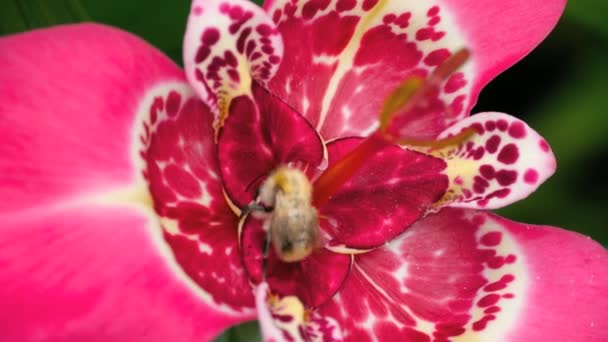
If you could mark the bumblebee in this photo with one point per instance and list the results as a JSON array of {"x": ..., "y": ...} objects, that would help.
[{"x": 293, "y": 223}]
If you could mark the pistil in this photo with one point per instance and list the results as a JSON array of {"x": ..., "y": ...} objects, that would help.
[{"x": 400, "y": 102}]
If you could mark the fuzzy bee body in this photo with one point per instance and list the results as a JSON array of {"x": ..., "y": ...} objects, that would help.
[{"x": 293, "y": 225}]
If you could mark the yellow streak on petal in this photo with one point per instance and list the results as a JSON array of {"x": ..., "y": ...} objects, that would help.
[
  {"x": 136, "y": 195},
  {"x": 345, "y": 61},
  {"x": 458, "y": 169},
  {"x": 231, "y": 90}
]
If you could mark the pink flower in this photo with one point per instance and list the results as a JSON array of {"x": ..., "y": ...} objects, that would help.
[{"x": 122, "y": 179}]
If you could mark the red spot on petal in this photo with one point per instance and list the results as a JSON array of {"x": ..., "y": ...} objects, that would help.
[
  {"x": 197, "y": 10},
  {"x": 488, "y": 300},
  {"x": 544, "y": 145},
  {"x": 313, "y": 6},
  {"x": 478, "y": 127},
  {"x": 434, "y": 21},
  {"x": 345, "y": 5},
  {"x": 496, "y": 262},
  {"x": 369, "y": 4},
  {"x": 510, "y": 259},
  {"x": 201, "y": 54},
  {"x": 437, "y": 57},
  {"x": 389, "y": 18},
  {"x": 433, "y": 11},
  {"x": 491, "y": 238},
  {"x": 487, "y": 171},
  {"x": 506, "y": 177},
  {"x": 490, "y": 125},
  {"x": 517, "y": 130},
  {"x": 492, "y": 144},
  {"x": 531, "y": 176},
  {"x": 210, "y": 36},
  {"x": 173, "y": 101},
  {"x": 455, "y": 83},
  {"x": 508, "y": 154},
  {"x": 502, "y": 125},
  {"x": 424, "y": 33},
  {"x": 403, "y": 20},
  {"x": 492, "y": 309}
]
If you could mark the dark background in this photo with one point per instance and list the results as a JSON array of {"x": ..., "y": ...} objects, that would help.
[{"x": 560, "y": 89}]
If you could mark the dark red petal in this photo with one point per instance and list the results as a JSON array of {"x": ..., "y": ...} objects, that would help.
[
  {"x": 257, "y": 138},
  {"x": 393, "y": 190},
  {"x": 182, "y": 170},
  {"x": 314, "y": 280},
  {"x": 475, "y": 275}
]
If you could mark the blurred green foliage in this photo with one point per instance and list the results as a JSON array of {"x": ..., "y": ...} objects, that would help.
[{"x": 560, "y": 90}]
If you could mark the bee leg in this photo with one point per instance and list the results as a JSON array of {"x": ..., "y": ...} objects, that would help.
[{"x": 265, "y": 254}]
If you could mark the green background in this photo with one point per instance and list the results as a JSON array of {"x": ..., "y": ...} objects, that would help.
[{"x": 560, "y": 89}]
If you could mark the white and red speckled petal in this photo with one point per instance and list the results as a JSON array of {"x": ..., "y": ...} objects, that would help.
[
  {"x": 373, "y": 47},
  {"x": 286, "y": 319},
  {"x": 69, "y": 101},
  {"x": 461, "y": 275},
  {"x": 502, "y": 162},
  {"x": 394, "y": 189},
  {"x": 261, "y": 134},
  {"x": 99, "y": 273},
  {"x": 227, "y": 43},
  {"x": 182, "y": 170},
  {"x": 375, "y": 44}
]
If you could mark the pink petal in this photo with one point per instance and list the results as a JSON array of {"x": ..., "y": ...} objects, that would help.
[
  {"x": 313, "y": 280},
  {"x": 69, "y": 98},
  {"x": 226, "y": 43},
  {"x": 500, "y": 33},
  {"x": 287, "y": 319},
  {"x": 374, "y": 45},
  {"x": 394, "y": 189},
  {"x": 259, "y": 137},
  {"x": 183, "y": 174},
  {"x": 460, "y": 274},
  {"x": 503, "y": 162},
  {"x": 99, "y": 273}
]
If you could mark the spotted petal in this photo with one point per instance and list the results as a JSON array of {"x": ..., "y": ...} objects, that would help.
[
  {"x": 503, "y": 161},
  {"x": 226, "y": 44},
  {"x": 182, "y": 171},
  {"x": 375, "y": 44},
  {"x": 462, "y": 275},
  {"x": 79, "y": 109}
]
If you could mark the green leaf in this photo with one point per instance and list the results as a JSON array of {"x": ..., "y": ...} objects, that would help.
[
  {"x": 160, "y": 22},
  {"x": 21, "y": 15},
  {"x": 246, "y": 332},
  {"x": 591, "y": 13},
  {"x": 574, "y": 121}
]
